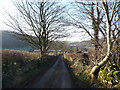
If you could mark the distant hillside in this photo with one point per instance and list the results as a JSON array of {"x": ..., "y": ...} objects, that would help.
[
  {"x": 86, "y": 43},
  {"x": 82, "y": 44},
  {"x": 10, "y": 41}
]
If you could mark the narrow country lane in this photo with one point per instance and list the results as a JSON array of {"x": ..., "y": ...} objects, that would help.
[{"x": 56, "y": 77}]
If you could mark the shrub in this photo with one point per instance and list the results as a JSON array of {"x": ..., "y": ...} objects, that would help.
[
  {"x": 109, "y": 76},
  {"x": 9, "y": 56}
]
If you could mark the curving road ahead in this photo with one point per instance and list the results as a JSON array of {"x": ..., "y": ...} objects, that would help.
[{"x": 56, "y": 77}]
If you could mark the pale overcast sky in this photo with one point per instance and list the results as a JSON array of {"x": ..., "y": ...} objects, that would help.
[{"x": 7, "y": 5}]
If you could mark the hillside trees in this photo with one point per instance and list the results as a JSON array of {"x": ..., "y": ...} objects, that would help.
[
  {"x": 60, "y": 45},
  {"x": 38, "y": 22}
]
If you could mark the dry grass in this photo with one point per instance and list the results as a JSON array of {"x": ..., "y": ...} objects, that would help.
[
  {"x": 79, "y": 71},
  {"x": 9, "y": 56}
]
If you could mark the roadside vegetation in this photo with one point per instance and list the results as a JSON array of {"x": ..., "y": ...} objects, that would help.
[
  {"x": 80, "y": 66},
  {"x": 20, "y": 66},
  {"x": 78, "y": 69}
]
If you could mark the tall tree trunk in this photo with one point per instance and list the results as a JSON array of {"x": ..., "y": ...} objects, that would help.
[
  {"x": 95, "y": 44},
  {"x": 43, "y": 51},
  {"x": 118, "y": 53},
  {"x": 95, "y": 25},
  {"x": 96, "y": 69}
]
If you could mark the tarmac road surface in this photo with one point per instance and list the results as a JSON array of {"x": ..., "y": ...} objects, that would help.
[{"x": 56, "y": 77}]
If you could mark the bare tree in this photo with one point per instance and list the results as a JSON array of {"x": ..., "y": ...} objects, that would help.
[
  {"x": 110, "y": 15},
  {"x": 90, "y": 19},
  {"x": 38, "y": 22},
  {"x": 104, "y": 18}
]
